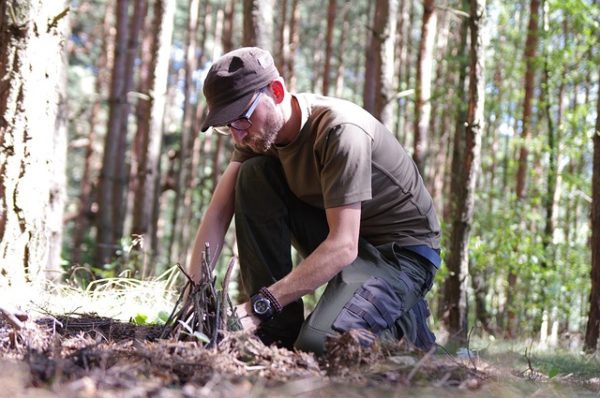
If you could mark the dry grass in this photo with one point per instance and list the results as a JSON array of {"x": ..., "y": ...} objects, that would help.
[{"x": 116, "y": 298}]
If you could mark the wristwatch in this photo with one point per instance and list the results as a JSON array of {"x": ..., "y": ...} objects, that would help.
[{"x": 264, "y": 304}]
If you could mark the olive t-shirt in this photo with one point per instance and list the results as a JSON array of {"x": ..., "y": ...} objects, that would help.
[{"x": 344, "y": 155}]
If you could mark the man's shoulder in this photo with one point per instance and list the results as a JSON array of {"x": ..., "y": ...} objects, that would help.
[
  {"x": 328, "y": 112},
  {"x": 318, "y": 104}
]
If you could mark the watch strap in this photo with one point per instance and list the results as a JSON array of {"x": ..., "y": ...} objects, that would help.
[{"x": 269, "y": 296}]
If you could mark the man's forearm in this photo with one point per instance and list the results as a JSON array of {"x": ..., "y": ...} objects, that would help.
[
  {"x": 215, "y": 222},
  {"x": 317, "y": 269},
  {"x": 205, "y": 235}
]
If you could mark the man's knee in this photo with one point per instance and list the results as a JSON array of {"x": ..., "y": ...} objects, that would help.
[
  {"x": 311, "y": 339},
  {"x": 258, "y": 168}
]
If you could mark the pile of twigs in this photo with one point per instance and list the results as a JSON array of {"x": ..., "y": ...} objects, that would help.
[{"x": 201, "y": 311}]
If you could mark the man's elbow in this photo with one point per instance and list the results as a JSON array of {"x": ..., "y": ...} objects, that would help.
[{"x": 348, "y": 253}]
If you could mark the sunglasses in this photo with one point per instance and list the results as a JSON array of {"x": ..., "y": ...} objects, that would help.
[{"x": 243, "y": 122}]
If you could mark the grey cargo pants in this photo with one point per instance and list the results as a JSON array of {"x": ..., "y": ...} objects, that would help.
[{"x": 382, "y": 290}]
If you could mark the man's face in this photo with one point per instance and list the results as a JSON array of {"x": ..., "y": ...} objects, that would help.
[{"x": 267, "y": 121}]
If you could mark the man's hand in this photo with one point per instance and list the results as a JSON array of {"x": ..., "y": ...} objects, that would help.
[{"x": 248, "y": 320}]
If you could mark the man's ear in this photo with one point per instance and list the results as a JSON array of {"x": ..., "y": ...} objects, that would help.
[{"x": 278, "y": 90}]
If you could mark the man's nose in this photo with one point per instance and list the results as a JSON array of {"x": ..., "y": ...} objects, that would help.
[{"x": 238, "y": 135}]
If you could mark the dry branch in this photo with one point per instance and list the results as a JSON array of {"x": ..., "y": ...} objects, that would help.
[
  {"x": 13, "y": 318},
  {"x": 201, "y": 310}
]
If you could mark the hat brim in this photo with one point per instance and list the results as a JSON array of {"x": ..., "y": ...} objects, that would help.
[{"x": 223, "y": 114}]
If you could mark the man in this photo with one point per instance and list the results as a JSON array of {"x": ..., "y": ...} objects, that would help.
[{"x": 324, "y": 175}]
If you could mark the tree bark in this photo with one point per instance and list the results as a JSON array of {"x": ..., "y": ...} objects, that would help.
[
  {"x": 592, "y": 330},
  {"x": 150, "y": 131},
  {"x": 401, "y": 58},
  {"x": 228, "y": 26},
  {"x": 283, "y": 33},
  {"x": 294, "y": 42},
  {"x": 85, "y": 214},
  {"x": 480, "y": 289},
  {"x": 331, "y": 10},
  {"x": 258, "y": 23},
  {"x": 407, "y": 112},
  {"x": 530, "y": 53},
  {"x": 554, "y": 138},
  {"x": 423, "y": 84},
  {"x": 122, "y": 166},
  {"x": 463, "y": 188},
  {"x": 439, "y": 111},
  {"x": 106, "y": 244},
  {"x": 371, "y": 53},
  {"x": 177, "y": 245},
  {"x": 32, "y": 138},
  {"x": 379, "y": 61},
  {"x": 385, "y": 17},
  {"x": 339, "y": 80},
  {"x": 529, "y": 82}
]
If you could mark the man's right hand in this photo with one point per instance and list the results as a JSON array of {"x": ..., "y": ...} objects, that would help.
[{"x": 248, "y": 320}]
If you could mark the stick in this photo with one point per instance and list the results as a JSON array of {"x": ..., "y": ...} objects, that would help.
[
  {"x": 225, "y": 292},
  {"x": 420, "y": 363},
  {"x": 11, "y": 318}
]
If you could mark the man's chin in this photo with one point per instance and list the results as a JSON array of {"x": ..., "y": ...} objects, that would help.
[
  {"x": 260, "y": 147},
  {"x": 257, "y": 148}
]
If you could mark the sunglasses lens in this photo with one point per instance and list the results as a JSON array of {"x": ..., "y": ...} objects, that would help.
[{"x": 241, "y": 124}]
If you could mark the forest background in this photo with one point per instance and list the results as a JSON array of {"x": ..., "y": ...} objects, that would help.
[{"x": 103, "y": 171}]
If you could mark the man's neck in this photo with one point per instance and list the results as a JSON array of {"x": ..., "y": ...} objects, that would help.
[{"x": 291, "y": 126}]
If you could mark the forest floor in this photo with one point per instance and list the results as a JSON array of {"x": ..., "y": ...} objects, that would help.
[{"x": 91, "y": 356}]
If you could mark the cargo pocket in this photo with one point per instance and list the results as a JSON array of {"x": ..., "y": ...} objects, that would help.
[{"x": 374, "y": 306}]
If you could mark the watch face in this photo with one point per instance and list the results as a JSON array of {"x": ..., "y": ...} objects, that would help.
[{"x": 262, "y": 306}]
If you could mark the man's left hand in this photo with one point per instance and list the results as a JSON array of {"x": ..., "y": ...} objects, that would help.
[{"x": 248, "y": 320}]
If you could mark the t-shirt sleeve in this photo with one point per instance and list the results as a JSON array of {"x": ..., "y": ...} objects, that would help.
[
  {"x": 241, "y": 155},
  {"x": 345, "y": 160}
]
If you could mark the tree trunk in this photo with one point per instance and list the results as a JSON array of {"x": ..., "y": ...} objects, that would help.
[
  {"x": 385, "y": 18},
  {"x": 283, "y": 33},
  {"x": 177, "y": 246},
  {"x": 463, "y": 188},
  {"x": 423, "y": 83},
  {"x": 530, "y": 53},
  {"x": 371, "y": 53},
  {"x": 439, "y": 112},
  {"x": 294, "y": 42},
  {"x": 401, "y": 58},
  {"x": 106, "y": 243},
  {"x": 339, "y": 80},
  {"x": 551, "y": 196},
  {"x": 331, "y": 10},
  {"x": 150, "y": 130},
  {"x": 455, "y": 177},
  {"x": 258, "y": 23},
  {"x": 408, "y": 121},
  {"x": 206, "y": 27},
  {"x": 316, "y": 80},
  {"x": 122, "y": 167},
  {"x": 592, "y": 330},
  {"x": 479, "y": 282},
  {"x": 458, "y": 141},
  {"x": 85, "y": 214},
  {"x": 552, "y": 176},
  {"x": 228, "y": 26},
  {"x": 32, "y": 138}
]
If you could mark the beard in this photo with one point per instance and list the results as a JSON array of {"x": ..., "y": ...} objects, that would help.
[{"x": 265, "y": 138}]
